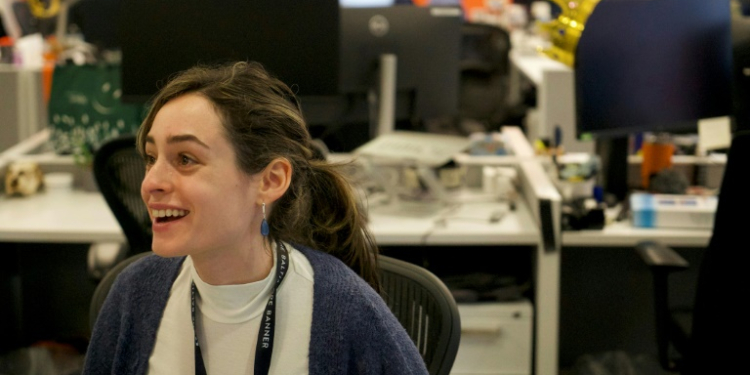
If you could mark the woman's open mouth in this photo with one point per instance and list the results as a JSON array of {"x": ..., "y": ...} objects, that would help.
[{"x": 164, "y": 216}]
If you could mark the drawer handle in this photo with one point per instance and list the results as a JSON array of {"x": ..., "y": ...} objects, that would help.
[{"x": 479, "y": 330}]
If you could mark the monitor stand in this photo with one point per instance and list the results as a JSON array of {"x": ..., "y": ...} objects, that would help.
[
  {"x": 613, "y": 152},
  {"x": 382, "y": 103}
]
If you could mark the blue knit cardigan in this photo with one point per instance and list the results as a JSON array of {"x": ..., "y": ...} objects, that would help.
[{"x": 353, "y": 331}]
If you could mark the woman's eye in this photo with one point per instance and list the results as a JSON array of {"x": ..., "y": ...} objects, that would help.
[
  {"x": 185, "y": 160},
  {"x": 149, "y": 161}
]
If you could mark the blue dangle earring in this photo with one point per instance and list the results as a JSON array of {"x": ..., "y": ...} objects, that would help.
[{"x": 264, "y": 224}]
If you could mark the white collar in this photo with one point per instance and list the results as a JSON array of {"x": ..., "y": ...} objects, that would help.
[{"x": 232, "y": 303}]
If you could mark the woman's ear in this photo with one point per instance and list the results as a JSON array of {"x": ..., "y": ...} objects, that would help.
[{"x": 275, "y": 180}]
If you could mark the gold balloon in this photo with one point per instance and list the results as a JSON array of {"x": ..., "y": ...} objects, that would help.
[{"x": 565, "y": 31}]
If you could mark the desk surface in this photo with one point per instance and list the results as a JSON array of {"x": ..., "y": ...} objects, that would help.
[
  {"x": 463, "y": 224},
  {"x": 81, "y": 216},
  {"x": 74, "y": 216},
  {"x": 624, "y": 234}
]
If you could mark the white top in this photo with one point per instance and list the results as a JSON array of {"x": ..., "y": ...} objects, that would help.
[{"x": 228, "y": 320}]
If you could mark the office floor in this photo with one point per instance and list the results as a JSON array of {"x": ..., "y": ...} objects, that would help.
[
  {"x": 44, "y": 358},
  {"x": 615, "y": 362},
  {"x": 63, "y": 359}
]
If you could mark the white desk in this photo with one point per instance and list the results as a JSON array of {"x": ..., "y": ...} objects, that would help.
[
  {"x": 81, "y": 216},
  {"x": 68, "y": 216},
  {"x": 412, "y": 223},
  {"x": 75, "y": 216},
  {"x": 622, "y": 233},
  {"x": 523, "y": 227},
  {"x": 469, "y": 225},
  {"x": 400, "y": 225}
]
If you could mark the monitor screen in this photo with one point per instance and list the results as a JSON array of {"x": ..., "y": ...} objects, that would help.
[
  {"x": 653, "y": 65},
  {"x": 297, "y": 41},
  {"x": 426, "y": 42}
]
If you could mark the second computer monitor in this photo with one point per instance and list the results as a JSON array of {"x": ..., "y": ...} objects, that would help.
[
  {"x": 297, "y": 41},
  {"x": 426, "y": 42}
]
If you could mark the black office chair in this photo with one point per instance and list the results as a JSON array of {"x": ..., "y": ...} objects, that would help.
[
  {"x": 484, "y": 74},
  {"x": 704, "y": 339},
  {"x": 420, "y": 301},
  {"x": 426, "y": 308},
  {"x": 119, "y": 171}
]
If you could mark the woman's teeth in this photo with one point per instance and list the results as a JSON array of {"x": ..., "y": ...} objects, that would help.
[{"x": 167, "y": 213}]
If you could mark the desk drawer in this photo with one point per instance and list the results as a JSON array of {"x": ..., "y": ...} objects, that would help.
[{"x": 496, "y": 339}]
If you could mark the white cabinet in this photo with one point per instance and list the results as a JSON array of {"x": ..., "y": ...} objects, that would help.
[{"x": 496, "y": 339}]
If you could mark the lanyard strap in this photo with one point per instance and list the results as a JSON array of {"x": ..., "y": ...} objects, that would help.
[{"x": 264, "y": 348}]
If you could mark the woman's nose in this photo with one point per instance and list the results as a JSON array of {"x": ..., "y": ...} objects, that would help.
[{"x": 157, "y": 180}]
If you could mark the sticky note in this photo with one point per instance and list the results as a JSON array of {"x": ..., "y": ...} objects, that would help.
[{"x": 714, "y": 133}]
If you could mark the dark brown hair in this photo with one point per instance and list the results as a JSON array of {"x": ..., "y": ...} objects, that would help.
[{"x": 263, "y": 121}]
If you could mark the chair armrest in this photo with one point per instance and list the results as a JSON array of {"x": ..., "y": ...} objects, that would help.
[
  {"x": 662, "y": 260},
  {"x": 661, "y": 257},
  {"x": 102, "y": 256}
]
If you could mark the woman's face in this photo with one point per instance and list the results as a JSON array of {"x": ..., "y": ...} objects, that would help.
[{"x": 198, "y": 199}]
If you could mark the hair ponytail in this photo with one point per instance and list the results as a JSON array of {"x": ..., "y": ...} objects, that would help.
[
  {"x": 340, "y": 221},
  {"x": 330, "y": 217}
]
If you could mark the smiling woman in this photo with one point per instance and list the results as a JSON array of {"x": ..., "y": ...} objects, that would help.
[
  {"x": 249, "y": 224},
  {"x": 190, "y": 167}
]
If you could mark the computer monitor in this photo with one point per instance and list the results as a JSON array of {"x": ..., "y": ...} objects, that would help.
[
  {"x": 426, "y": 43},
  {"x": 326, "y": 52},
  {"x": 650, "y": 66},
  {"x": 297, "y": 41},
  {"x": 653, "y": 66},
  {"x": 96, "y": 20}
]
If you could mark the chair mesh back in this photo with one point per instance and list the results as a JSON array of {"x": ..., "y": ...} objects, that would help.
[
  {"x": 425, "y": 307},
  {"x": 119, "y": 171}
]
